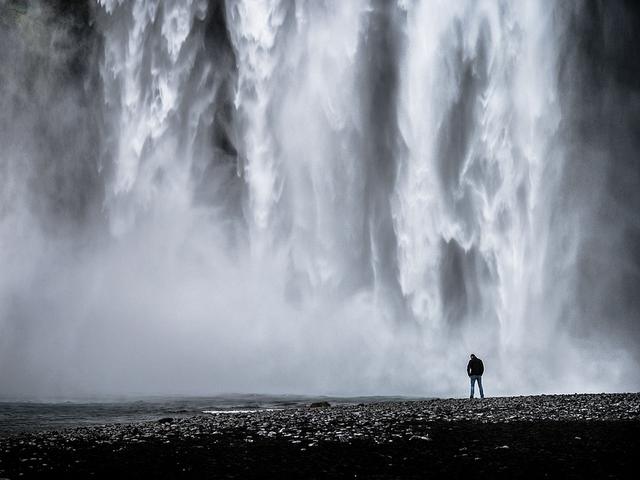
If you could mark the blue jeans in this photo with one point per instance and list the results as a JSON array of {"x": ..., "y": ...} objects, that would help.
[{"x": 473, "y": 379}]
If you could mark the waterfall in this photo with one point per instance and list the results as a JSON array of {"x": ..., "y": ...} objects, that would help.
[{"x": 317, "y": 197}]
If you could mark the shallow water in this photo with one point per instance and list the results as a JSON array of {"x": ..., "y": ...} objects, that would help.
[{"x": 54, "y": 414}]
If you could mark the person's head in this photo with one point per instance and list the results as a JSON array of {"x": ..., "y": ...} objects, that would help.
[{"x": 472, "y": 356}]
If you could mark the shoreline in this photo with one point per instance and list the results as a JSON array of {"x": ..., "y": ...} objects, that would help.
[{"x": 511, "y": 437}]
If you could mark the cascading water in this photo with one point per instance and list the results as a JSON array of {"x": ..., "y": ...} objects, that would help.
[{"x": 317, "y": 197}]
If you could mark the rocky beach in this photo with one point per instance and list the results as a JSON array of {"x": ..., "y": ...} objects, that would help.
[{"x": 558, "y": 436}]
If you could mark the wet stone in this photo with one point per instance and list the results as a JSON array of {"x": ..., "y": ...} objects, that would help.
[{"x": 382, "y": 440}]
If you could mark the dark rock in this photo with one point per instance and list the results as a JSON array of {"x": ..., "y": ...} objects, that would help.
[
  {"x": 583, "y": 436},
  {"x": 320, "y": 405}
]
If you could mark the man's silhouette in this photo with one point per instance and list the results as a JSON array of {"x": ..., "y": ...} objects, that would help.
[{"x": 475, "y": 369}]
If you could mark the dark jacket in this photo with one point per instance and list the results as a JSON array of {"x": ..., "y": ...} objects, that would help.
[{"x": 475, "y": 367}]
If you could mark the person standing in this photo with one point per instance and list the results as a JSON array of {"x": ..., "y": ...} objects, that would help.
[{"x": 475, "y": 369}]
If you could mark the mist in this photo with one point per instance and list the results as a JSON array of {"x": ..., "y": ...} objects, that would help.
[{"x": 343, "y": 198}]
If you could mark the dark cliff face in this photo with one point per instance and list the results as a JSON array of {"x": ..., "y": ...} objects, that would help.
[
  {"x": 215, "y": 175},
  {"x": 379, "y": 50},
  {"x": 50, "y": 97},
  {"x": 599, "y": 82}
]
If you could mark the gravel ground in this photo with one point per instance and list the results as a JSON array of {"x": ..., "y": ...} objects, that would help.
[{"x": 558, "y": 436}]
